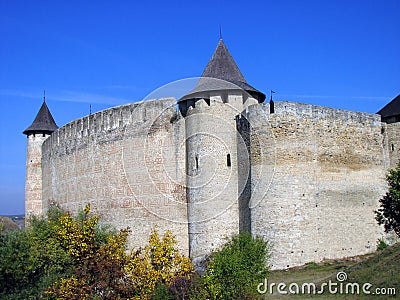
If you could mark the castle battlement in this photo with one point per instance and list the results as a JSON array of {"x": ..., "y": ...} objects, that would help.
[
  {"x": 318, "y": 113},
  {"x": 103, "y": 123}
]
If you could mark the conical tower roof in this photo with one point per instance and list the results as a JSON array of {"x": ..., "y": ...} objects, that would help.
[
  {"x": 391, "y": 109},
  {"x": 43, "y": 123},
  {"x": 222, "y": 66}
]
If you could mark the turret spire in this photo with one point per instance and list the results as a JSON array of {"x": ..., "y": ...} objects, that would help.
[
  {"x": 222, "y": 66},
  {"x": 44, "y": 122}
]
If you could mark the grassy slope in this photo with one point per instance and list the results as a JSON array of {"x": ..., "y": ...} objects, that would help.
[
  {"x": 381, "y": 269},
  {"x": 6, "y": 224}
]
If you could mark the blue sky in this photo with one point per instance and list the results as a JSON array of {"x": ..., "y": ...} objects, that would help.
[{"x": 343, "y": 54}]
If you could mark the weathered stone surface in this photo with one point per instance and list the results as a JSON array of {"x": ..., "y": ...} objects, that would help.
[
  {"x": 328, "y": 173},
  {"x": 212, "y": 181},
  {"x": 392, "y": 133},
  {"x": 128, "y": 163},
  {"x": 33, "y": 180},
  {"x": 307, "y": 178}
]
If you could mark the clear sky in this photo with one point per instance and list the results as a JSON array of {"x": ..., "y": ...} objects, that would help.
[{"x": 343, "y": 54}]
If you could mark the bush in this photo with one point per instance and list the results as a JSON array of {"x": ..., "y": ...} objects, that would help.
[
  {"x": 31, "y": 260},
  {"x": 235, "y": 271},
  {"x": 389, "y": 212},
  {"x": 66, "y": 257},
  {"x": 381, "y": 244},
  {"x": 161, "y": 292},
  {"x": 103, "y": 269},
  {"x": 158, "y": 263}
]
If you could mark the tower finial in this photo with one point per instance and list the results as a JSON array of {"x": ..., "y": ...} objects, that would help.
[
  {"x": 271, "y": 104},
  {"x": 44, "y": 95},
  {"x": 272, "y": 92},
  {"x": 220, "y": 31}
]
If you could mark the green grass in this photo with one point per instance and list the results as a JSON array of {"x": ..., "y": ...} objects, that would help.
[{"x": 381, "y": 269}]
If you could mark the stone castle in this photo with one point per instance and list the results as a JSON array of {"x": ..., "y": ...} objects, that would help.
[{"x": 219, "y": 161}]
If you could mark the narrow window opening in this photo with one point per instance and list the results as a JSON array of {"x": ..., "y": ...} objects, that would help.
[
  {"x": 392, "y": 147},
  {"x": 228, "y": 160},
  {"x": 197, "y": 162}
]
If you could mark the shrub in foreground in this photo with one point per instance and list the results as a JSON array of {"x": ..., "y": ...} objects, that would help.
[
  {"x": 235, "y": 271},
  {"x": 67, "y": 257},
  {"x": 389, "y": 212},
  {"x": 32, "y": 259}
]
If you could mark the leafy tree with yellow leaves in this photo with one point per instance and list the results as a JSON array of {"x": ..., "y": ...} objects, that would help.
[
  {"x": 100, "y": 275},
  {"x": 73, "y": 257},
  {"x": 103, "y": 269},
  {"x": 158, "y": 263}
]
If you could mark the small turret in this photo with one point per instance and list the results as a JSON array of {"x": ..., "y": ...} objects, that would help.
[
  {"x": 42, "y": 127},
  {"x": 44, "y": 122},
  {"x": 221, "y": 77}
]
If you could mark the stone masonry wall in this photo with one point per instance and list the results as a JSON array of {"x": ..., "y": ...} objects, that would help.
[
  {"x": 317, "y": 174},
  {"x": 212, "y": 181},
  {"x": 128, "y": 163},
  {"x": 392, "y": 133},
  {"x": 33, "y": 180}
]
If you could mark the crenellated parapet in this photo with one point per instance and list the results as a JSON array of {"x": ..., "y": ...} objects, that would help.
[
  {"x": 103, "y": 125},
  {"x": 317, "y": 112}
]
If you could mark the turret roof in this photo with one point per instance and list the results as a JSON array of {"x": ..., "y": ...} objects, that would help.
[
  {"x": 391, "y": 109},
  {"x": 43, "y": 123},
  {"x": 222, "y": 66}
]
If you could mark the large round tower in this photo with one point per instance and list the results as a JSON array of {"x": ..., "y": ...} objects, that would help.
[
  {"x": 217, "y": 163},
  {"x": 41, "y": 128}
]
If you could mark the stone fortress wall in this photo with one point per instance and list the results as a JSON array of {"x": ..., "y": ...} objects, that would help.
[
  {"x": 312, "y": 179},
  {"x": 316, "y": 181},
  {"x": 391, "y": 132},
  {"x": 128, "y": 163}
]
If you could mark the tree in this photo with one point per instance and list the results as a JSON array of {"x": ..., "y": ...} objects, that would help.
[
  {"x": 104, "y": 270},
  {"x": 389, "y": 212},
  {"x": 99, "y": 274},
  {"x": 235, "y": 271},
  {"x": 157, "y": 264},
  {"x": 31, "y": 259},
  {"x": 73, "y": 257},
  {"x": 99, "y": 259}
]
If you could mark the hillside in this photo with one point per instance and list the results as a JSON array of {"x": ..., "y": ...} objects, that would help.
[
  {"x": 7, "y": 224},
  {"x": 381, "y": 270}
]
